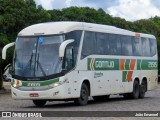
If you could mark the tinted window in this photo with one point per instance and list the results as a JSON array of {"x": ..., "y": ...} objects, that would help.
[
  {"x": 102, "y": 44},
  {"x": 126, "y": 45},
  {"x": 114, "y": 44},
  {"x": 89, "y": 44},
  {"x": 153, "y": 46},
  {"x": 145, "y": 47},
  {"x": 136, "y": 46}
]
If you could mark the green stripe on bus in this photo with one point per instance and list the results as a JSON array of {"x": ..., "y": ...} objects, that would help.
[
  {"x": 41, "y": 83},
  {"x": 113, "y": 64},
  {"x": 127, "y": 64},
  {"x": 124, "y": 76},
  {"x": 88, "y": 63},
  {"x": 138, "y": 64}
]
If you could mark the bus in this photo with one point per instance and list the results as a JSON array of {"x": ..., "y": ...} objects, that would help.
[{"x": 76, "y": 60}]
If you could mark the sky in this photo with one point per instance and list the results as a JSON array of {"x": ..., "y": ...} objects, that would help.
[{"x": 130, "y": 10}]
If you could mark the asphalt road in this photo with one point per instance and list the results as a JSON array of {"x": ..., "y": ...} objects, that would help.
[{"x": 151, "y": 102}]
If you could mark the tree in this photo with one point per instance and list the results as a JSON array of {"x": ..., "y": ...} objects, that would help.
[{"x": 3, "y": 41}]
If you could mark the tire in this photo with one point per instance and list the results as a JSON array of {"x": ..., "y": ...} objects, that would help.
[
  {"x": 101, "y": 98},
  {"x": 135, "y": 93},
  {"x": 39, "y": 103},
  {"x": 83, "y": 99},
  {"x": 142, "y": 89}
]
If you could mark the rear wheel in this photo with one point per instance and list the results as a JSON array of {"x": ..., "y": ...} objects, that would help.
[
  {"x": 143, "y": 89},
  {"x": 39, "y": 103},
  {"x": 101, "y": 98},
  {"x": 83, "y": 99},
  {"x": 135, "y": 93}
]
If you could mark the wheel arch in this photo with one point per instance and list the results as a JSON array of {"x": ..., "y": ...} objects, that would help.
[
  {"x": 137, "y": 79},
  {"x": 87, "y": 82}
]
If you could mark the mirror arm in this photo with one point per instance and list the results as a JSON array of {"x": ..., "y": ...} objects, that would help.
[
  {"x": 4, "y": 50},
  {"x": 63, "y": 47}
]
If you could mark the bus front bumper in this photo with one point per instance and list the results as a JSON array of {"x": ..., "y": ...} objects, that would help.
[{"x": 51, "y": 94}]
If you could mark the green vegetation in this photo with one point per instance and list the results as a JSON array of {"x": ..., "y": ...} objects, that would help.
[{"x": 18, "y": 14}]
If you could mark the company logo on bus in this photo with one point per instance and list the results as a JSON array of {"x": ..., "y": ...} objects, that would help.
[{"x": 103, "y": 64}]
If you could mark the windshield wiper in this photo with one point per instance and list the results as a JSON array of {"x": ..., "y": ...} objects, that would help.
[{"x": 40, "y": 66}]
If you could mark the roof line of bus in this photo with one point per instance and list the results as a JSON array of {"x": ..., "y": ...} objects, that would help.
[{"x": 67, "y": 26}]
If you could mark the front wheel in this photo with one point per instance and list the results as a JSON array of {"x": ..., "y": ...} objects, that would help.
[
  {"x": 83, "y": 99},
  {"x": 39, "y": 103}
]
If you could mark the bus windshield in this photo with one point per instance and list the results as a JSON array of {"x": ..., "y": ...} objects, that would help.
[{"x": 37, "y": 56}]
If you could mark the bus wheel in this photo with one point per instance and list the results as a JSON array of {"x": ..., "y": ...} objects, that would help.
[
  {"x": 142, "y": 89},
  {"x": 101, "y": 98},
  {"x": 39, "y": 103},
  {"x": 135, "y": 93},
  {"x": 83, "y": 99}
]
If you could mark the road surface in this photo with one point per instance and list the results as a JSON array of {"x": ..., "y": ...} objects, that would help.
[{"x": 151, "y": 102}]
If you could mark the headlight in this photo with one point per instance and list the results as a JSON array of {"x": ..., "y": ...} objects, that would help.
[
  {"x": 17, "y": 83},
  {"x": 58, "y": 83}
]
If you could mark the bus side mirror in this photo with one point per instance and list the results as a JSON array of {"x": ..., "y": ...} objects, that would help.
[
  {"x": 63, "y": 47},
  {"x": 4, "y": 50}
]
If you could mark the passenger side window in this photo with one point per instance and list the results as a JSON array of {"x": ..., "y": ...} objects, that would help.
[
  {"x": 153, "y": 46},
  {"x": 89, "y": 44},
  {"x": 136, "y": 46},
  {"x": 145, "y": 47},
  {"x": 126, "y": 45},
  {"x": 102, "y": 44},
  {"x": 114, "y": 44}
]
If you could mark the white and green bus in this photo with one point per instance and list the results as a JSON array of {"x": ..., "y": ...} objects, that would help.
[{"x": 75, "y": 60}]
